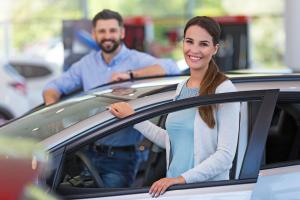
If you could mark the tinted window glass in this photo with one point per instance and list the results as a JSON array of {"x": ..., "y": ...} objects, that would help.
[
  {"x": 50, "y": 120},
  {"x": 31, "y": 71},
  {"x": 283, "y": 142}
]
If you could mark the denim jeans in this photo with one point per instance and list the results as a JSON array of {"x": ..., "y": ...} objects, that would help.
[{"x": 117, "y": 169}]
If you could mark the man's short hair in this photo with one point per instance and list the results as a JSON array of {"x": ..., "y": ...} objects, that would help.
[{"x": 107, "y": 14}]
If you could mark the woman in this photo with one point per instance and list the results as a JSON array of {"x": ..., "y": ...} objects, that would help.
[{"x": 213, "y": 133}]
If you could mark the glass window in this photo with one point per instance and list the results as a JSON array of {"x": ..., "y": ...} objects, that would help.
[
  {"x": 50, "y": 120},
  {"x": 283, "y": 143},
  {"x": 31, "y": 71}
]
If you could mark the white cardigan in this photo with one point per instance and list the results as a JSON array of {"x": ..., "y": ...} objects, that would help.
[{"x": 214, "y": 149}]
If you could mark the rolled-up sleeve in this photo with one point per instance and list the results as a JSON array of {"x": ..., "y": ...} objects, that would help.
[{"x": 68, "y": 82}]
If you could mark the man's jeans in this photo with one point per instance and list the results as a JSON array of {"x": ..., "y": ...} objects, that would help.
[{"x": 117, "y": 169}]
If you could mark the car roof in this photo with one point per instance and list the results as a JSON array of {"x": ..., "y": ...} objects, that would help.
[
  {"x": 142, "y": 92},
  {"x": 162, "y": 81},
  {"x": 144, "y": 96},
  {"x": 245, "y": 78}
]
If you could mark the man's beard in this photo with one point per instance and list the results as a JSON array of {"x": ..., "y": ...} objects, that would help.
[{"x": 110, "y": 49}]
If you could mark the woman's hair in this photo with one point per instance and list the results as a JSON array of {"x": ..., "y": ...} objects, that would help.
[{"x": 213, "y": 77}]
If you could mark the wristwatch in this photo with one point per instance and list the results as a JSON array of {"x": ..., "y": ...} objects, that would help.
[{"x": 130, "y": 74}]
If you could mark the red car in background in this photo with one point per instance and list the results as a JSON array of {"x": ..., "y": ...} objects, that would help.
[{"x": 21, "y": 162}]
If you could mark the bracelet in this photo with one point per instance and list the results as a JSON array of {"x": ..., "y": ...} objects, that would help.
[{"x": 130, "y": 74}]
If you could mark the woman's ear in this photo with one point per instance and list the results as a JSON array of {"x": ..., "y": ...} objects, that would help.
[{"x": 216, "y": 49}]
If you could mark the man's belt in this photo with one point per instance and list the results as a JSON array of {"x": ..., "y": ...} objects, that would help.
[{"x": 108, "y": 148}]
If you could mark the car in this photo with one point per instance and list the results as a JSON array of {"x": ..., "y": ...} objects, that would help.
[
  {"x": 266, "y": 164},
  {"x": 37, "y": 72},
  {"x": 13, "y": 94},
  {"x": 26, "y": 161}
]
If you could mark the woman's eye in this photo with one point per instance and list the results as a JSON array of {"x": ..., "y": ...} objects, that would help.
[{"x": 203, "y": 44}]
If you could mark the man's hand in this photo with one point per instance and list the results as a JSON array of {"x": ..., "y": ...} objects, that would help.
[
  {"x": 159, "y": 187},
  {"x": 51, "y": 96},
  {"x": 119, "y": 76}
]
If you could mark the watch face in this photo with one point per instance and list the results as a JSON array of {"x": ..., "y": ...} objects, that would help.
[{"x": 123, "y": 91}]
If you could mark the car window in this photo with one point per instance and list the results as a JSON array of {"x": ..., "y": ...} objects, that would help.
[
  {"x": 81, "y": 170},
  {"x": 48, "y": 121},
  {"x": 283, "y": 143},
  {"x": 31, "y": 71}
]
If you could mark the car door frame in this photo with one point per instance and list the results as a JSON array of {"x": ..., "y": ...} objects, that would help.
[{"x": 249, "y": 170}]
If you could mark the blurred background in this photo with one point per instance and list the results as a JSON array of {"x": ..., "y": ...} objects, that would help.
[{"x": 40, "y": 39}]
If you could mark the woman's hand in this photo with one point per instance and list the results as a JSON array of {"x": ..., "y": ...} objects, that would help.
[
  {"x": 159, "y": 187},
  {"x": 121, "y": 109}
]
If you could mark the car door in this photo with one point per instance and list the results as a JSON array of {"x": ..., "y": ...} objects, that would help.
[
  {"x": 280, "y": 173},
  {"x": 248, "y": 160}
]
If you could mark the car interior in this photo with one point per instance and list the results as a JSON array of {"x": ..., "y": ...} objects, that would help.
[
  {"x": 283, "y": 141},
  {"x": 80, "y": 176}
]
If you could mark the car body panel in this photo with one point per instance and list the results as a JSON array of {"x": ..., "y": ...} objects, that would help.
[
  {"x": 283, "y": 86},
  {"x": 278, "y": 183},
  {"x": 230, "y": 192}
]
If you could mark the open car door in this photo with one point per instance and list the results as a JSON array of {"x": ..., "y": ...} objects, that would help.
[{"x": 252, "y": 137}]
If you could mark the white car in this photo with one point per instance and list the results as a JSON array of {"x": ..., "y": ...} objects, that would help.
[
  {"x": 266, "y": 165},
  {"x": 13, "y": 94},
  {"x": 37, "y": 73}
]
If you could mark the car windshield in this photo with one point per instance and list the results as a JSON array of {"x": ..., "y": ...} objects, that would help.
[{"x": 50, "y": 120}]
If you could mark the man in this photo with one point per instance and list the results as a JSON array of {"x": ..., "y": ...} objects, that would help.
[{"x": 114, "y": 62}]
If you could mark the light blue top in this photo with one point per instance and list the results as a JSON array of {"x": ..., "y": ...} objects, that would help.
[
  {"x": 92, "y": 71},
  {"x": 180, "y": 127},
  {"x": 214, "y": 148}
]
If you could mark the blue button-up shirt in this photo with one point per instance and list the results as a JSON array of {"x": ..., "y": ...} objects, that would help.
[{"x": 92, "y": 71}]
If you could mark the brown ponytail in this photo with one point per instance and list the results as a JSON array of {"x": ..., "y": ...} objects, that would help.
[{"x": 213, "y": 77}]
